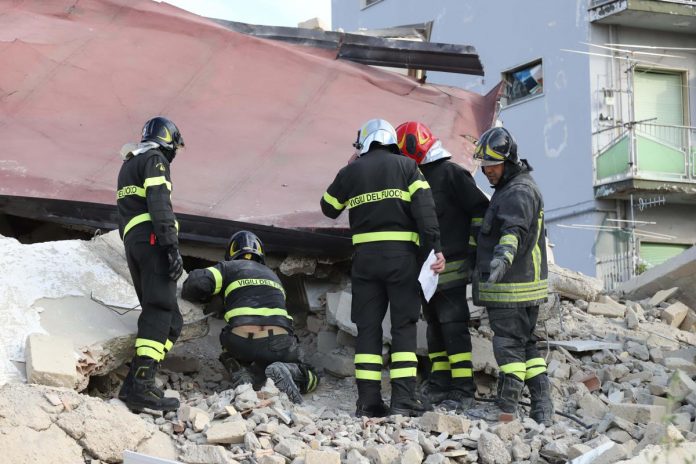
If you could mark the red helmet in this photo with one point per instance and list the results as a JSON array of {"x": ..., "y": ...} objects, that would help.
[{"x": 414, "y": 139}]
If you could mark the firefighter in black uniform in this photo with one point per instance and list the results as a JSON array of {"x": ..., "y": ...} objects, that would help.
[
  {"x": 460, "y": 207},
  {"x": 258, "y": 340},
  {"x": 391, "y": 212},
  {"x": 148, "y": 228},
  {"x": 511, "y": 276}
]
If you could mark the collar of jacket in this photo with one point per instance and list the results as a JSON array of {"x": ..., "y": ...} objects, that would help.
[{"x": 512, "y": 171}]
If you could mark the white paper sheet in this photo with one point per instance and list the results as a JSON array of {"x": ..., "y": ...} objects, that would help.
[{"x": 427, "y": 278}]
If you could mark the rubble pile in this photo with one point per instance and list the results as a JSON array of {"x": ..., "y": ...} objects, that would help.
[{"x": 622, "y": 375}]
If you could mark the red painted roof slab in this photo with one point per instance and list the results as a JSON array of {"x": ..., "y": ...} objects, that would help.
[{"x": 267, "y": 124}]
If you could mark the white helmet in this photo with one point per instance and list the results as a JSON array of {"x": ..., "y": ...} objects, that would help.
[{"x": 375, "y": 131}]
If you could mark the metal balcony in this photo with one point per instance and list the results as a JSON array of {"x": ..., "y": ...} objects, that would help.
[
  {"x": 651, "y": 158},
  {"x": 662, "y": 15}
]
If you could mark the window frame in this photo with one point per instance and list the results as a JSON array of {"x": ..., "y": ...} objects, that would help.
[
  {"x": 506, "y": 76},
  {"x": 364, "y": 5}
]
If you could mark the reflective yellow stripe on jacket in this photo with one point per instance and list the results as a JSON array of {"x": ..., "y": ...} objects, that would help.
[
  {"x": 249, "y": 282},
  {"x": 386, "y": 236},
  {"x": 139, "y": 219},
  {"x": 263, "y": 312}
]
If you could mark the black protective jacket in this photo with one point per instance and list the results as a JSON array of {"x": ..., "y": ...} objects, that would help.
[
  {"x": 513, "y": 230},
  {"x": 388, "y": 200},
  {"x": 143, "y": 199},
  {"x": 252, "y": 292},
  {"x": 460, "y": 206}
]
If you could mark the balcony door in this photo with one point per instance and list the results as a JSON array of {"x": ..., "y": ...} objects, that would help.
[{"x": 660, "y": 95}]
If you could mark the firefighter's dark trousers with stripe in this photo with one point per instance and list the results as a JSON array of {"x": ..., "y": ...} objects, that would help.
[
  {"x": 449, "y": 341},
  {"x": 160, "y": 321},
  {"x": 514, "y": 343},
  {"x": 385, "y": 274}
]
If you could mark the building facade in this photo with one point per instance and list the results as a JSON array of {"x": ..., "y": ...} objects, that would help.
[{"x": 573, "y": 106}]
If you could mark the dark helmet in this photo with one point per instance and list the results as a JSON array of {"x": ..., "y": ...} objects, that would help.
[
  {"x": 244, "y": 245},
  {"x": 163, "y": 132},
  {"x": 496, "y": 146}
]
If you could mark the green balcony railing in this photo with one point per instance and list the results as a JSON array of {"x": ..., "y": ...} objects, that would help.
[{"x": 661, "y": 153}]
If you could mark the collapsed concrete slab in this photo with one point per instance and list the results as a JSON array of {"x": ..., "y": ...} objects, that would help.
[
  {"x": 676, "y": 272},
  {"x": 574, "y": 285},
  {"x": 79, "y": 290}
]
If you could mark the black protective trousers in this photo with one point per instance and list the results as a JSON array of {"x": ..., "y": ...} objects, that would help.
[
  {"x": 255, "y": 354},
  {"x": 514, "y": 343},
  {"x": 449, "y": 341},
  {"x": 160, "y": 321},
  {"x": 385, "y": 274}
]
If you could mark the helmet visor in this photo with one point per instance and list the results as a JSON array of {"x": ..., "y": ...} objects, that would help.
[{"x": 487, "y": 156}]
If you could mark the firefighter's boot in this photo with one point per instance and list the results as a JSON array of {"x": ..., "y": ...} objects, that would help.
[
  {"x": 239, "y": 375},
  {"x": 141, "y": 392},
  {"x": 540, "y": 393},
  {"x": 460, "y": 398},
  {"x": 370, "y": 403},
  {"x": 436, "y": 388},
  {"x": 294, "y": 379},
  {"x": 405, "y": 401},
  {"x": 504, "y": 409}
]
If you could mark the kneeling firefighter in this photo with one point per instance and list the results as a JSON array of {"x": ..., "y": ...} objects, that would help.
[{"x": 258, "y": 340}]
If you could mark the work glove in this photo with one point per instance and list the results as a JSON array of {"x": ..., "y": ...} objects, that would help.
[
  {"x": 498, "y": 269},
  {"x": 176, "y": 263}
]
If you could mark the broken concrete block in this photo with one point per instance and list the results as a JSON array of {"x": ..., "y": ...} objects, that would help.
[
  {"x": 682, "y": 421},
  {"x": 659, "y": 434},
  {"x": 200, "y": 421},
  {"x": 444, "y": 423},
  {"x": 339, "y": 363},
  {"x": 681, "y": 386},
  {"x": 412, "y": 454},
  {"x": 637, "y": 350},
  {"x": 689, "y": 322},
  {"x": 322, "y": 457},
  {"x": 573, "y": 285},
  {"x": 294, "y": 264},
  {"x": 314, "y": 323},
  {"x": 343, "y": 338},
  {"x": 333, "y": 300},
  {"x": 607, "y": 310},
  {"x": 290, "y": 447},
  {"x": 50, "y": 361},
  {"x": 315, "y": 292},
  {"x": 638, "y": 413},
  {"x": 618, "y": 435},
  {"x": 383, "y": 454},
  {"x": 631, "y": 318},
  {"x": 482, "y": 356},
  {"x": 338, "y": 312},
  {"x": 674, "y": 314},
  {"x": 663, "y": 295},
  {"x": 326, "y": 341},
  {"x": 507, "y": 431},
  {"x": 203, "y": 454},
  {"x": 226, "y": 432},
  {"x": 680, "y": 364},
  {"x": 577, "y": 450},
  {"x": 492, "y": 450},
  {"x": 593, "y": 406}
]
